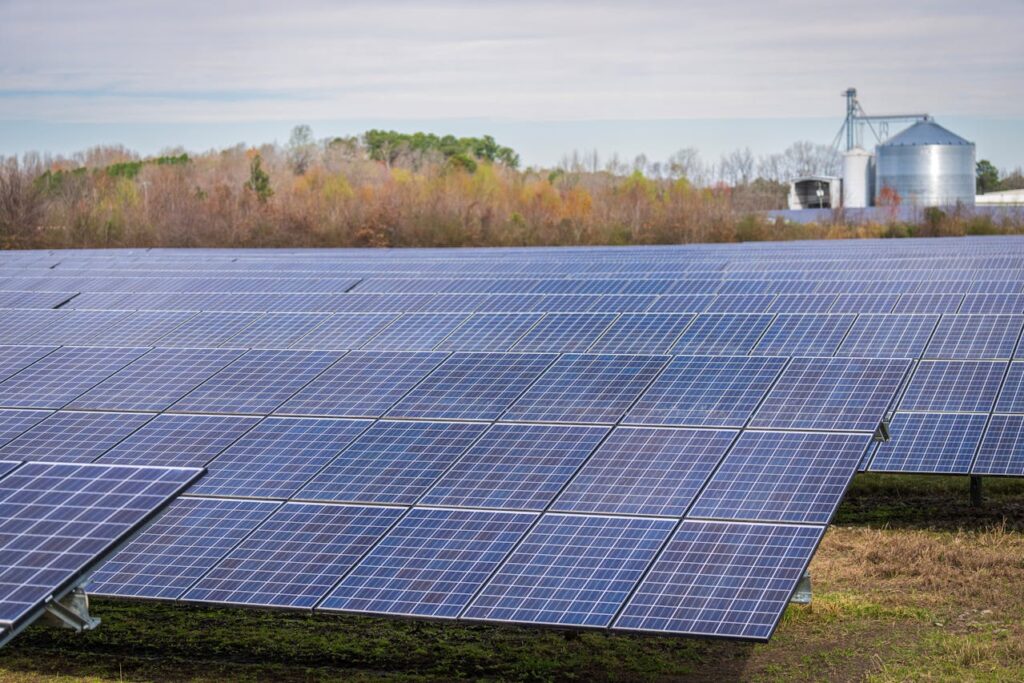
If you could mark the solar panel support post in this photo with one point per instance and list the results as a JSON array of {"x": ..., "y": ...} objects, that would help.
[
  {"x": 72, "y": 611},
  {"x": 802, "y": 594},
  {"x": 977, "y": 498}
]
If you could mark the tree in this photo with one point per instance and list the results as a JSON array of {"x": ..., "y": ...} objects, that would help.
[
  {"x": 259, "y": 181},
  {"x": 987, "y": 177},
  {"x": 301, "y": 149}
]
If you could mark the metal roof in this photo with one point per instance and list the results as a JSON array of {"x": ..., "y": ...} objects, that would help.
[{"x": 925, "y": 133}]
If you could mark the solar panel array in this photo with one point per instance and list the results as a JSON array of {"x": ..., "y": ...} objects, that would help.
[{"x": 636, "y": 439}]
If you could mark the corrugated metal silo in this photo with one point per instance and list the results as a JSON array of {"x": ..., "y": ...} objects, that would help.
[{"x": 926, "y": 165}]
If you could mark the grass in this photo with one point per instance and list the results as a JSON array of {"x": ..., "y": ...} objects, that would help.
[{"x": 909, "y": 584}]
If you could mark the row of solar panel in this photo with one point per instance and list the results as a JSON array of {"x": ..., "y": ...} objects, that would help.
[
  {"x": 874, "y": 335},
  {"x": 808, "y": 393}
]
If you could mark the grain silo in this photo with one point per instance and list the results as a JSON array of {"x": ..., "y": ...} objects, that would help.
[
  {"x": 926, "y": 165},
  {"x": 858, "y": 178}
]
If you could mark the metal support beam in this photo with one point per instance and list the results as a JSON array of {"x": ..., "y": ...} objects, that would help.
[
  {"x": 802, "y": 595},
  {"x": 71, "y": 612},
  {"x": 977, "y": 499}
]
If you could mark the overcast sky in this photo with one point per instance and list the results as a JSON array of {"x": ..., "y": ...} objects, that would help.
[{"x": 214, "y": 73}]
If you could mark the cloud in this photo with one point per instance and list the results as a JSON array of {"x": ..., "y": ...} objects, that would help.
[{"x": 187, "y": 61}]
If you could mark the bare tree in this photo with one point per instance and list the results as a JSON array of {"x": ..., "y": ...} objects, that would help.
[{"x": 301, "y": 149}]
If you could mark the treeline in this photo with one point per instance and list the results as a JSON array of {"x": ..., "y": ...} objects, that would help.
[{"x": 392, "y": 189}]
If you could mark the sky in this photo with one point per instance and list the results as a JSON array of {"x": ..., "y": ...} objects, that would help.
[{"x": 545, "y": 78}]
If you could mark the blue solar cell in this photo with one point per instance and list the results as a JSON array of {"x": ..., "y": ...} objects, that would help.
[
  {"x": 257, "y": 383},
  {"x": 63, "y": 375},
  {"x": 586, "y": 388},
  {"x": 888, "y": 336},
  {"x": 58, "y": 519},
  {"x": 515, "y": 467},
  {"x": 722, "y": 334},
  {"x": 782, "y": 477},
  {"x": 642, "y": 333},
  {"x": 296, "y": 556},
  {"x": 928, "y": 303},
  {"x": 209, "y": 328},
  {"x": 1011, "y": 396},
  {"x": 832, "y": 393},
  {"x": 141, "y": 328},
  {"x": 71, "y": 436},
  {"x": 930, "y": 443},
  {"x": 7, "y": 466},
  {"x": 743, "y": 287},
  {"x": 714, "y": 391},
  {"x": 277, "y": 330},
  {"x": 185, "y": 541},
  {"x": 992, "y": 303},
  {"x": 16, "y": 358},
  {"x": 796, "y": 334},
  {"x": 156, "y": 380},
  {"x": 34, "y": 299},
  {"x": 644, "y": 471},
  {"x": 801, "y": 303},
  {"x": 67, "y": 326},
  {"x": 277, "y": 457},
  {"x": 392, "y": 462},
  {"x": 681, "y": 303},
  {"x": 571, "y": 570},
  {"x": 954, "y": 386},
  {"x": 13, "y": 423},
  {"x": 741, "y": 303},
  {"x": 179, "y": 440},
  {"x": 416, "y": 332},
  {"x": 362, "y": 384},
  {"x": 565, "y": 332},
  {"x": 722, "y": 579},
  {"x": 975, "y": 336},
  {"x": 431, "y": 564},
  {"x": 1002, "y": 449},
  {"x": 490, "y": 332},
  {"x": 344, "y": 331},
  {"x": 473, "y": 386},
  {"x": 864, "y": 303}
]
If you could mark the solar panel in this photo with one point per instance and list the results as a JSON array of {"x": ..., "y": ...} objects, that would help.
[
  {"x": 1002, "y": 449},
  {"x": 63, "y": 375},
  {"x": 930, "y": 442},
  {"x": 722, "y": 579},
  {"x": 343, "y": 331},
  {"x": 489, "y": 332},
  {"x": 975, "y": 336},
  {"x": 277, "y": 457},
  {"x": 392, "y": 462},
  {"x": 472, "y": 386},
  {"x": 16, "y": 358},
  {"x": 740, "y": 303},
  {"x": 642, "y": 333},
  {"x": 431, "y": 563},
  {"x": 831, "y": 393},
  {"x": 571, "y": 570},
  {"x": 954, "y": 386},
  {"x": 362, "y": 384},
  {"x": 795, "y": 477},
  {"x": 586, "y": 388},
  {"x": 7, "y": 467},
  {"x": 799, "y": 334},
  {"x": 565, "y": 332},
  {"x": 644, "y": 471},
  {"x": 888, "y": 336},
  {"x": 277, "y": 330},
  {"x": 801, "y": 303},
  {"x": 209, "y": 328},
  {"x": 1011, "y": 396},
  {"x": 296, "y": 556},
  {"x": 141, "y": 328},
  {"x": 15, "y": 422},
  {"x": 68, "y": 326},
  {"x": 179, "y": 440},
  {"x": 711, "y": 391},
  {"x": 416, "y": 332},
  {"x": 992, "y": 303},
  {"x": 71, "y": 436},
  {"x": 181, "y": 545},
  {"x": 257, "y": 383},
  {"x": 515, "y": 466},
  {"x": 156, "y": 380},
  {"x": 61, "y": 518},
  {"x": 722, "y": 334},
  {"x": 928, "y": 303},
  {"x": 681, "y": 303},
  {"x": 864, "y": 303}
]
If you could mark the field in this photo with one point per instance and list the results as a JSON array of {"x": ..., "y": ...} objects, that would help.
[{"x": 910, "y": 583}]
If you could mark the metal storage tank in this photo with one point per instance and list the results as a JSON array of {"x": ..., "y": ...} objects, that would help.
[
  {"x": 926, "y": 165},
  {"x": 858, "y": 178}
]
